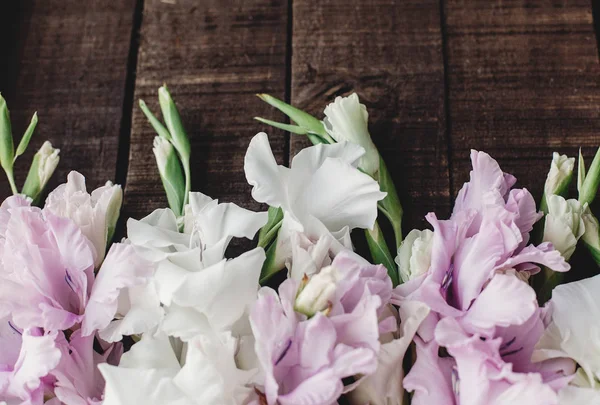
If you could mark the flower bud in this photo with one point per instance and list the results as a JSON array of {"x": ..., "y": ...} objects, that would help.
[
  {"x": 414, "y": 254},
  {"x": 564, "y": 226},
  {"x": 318, "y": 292},
  {"x": 7, "y": 149},
  {"x": 559, "y": 176},
  {"x": 347, "y": 120},
  {"x": 591, "y": 181},
  {"x": 110, "y": 196},
  {"x": 174, "y": 124},
  {"x": 170, "y": 173},
  {"x": 43, "y": 166},
  {"x": 591, "y": 236}
]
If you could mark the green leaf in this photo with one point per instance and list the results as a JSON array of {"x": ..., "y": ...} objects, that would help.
[
  {"x": 381, "y": 253},
  {"x": 305, "y": 120},
  {"x": 551, "y": 280},
  {"x": 32, "y": 187},
  {"x": 595, "y": 253},
  {"x": 26, "y": 137},
  {"x": 270, "y": 268},
  {"x": 580, "y": 172},
  {"x": 390, "y": 206},
  {"x": 269, "y": 232},
  {"x": 590, "y": 185},
  {"x": 7, "y": 149},
  {"x": 294, "y": 129},
  {"x": 156, "y": 124}
]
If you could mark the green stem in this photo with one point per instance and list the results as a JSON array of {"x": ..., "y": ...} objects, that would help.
[
  {"x": 188, "y": 183},
  {"x": 11, "y": 181},
  {"x": 381, "y": 253}
]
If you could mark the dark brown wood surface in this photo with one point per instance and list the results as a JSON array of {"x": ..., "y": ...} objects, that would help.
[
  {"x": 214, "y": 60},
  {"x": 390, "y": 54},
  {"x": 515, "y": 78},
  {"x": 523, "y": 81},
  {"x": 67, "y": 59}
]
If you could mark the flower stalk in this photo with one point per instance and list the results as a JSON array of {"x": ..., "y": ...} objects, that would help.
[{"x": 172, "y": 150}]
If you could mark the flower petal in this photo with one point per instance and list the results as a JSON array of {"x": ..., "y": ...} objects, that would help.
[
  {"x": 268, "y": 180},
  {"x": 351, "y": 202},
  {"x": 122, "y": 268}
]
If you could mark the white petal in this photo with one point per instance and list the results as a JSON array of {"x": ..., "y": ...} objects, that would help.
[
  {"x": 121, "y": 269},
  {"x": 310, "y": 159},
  {"x": 576, "y": 332},
  {"x": 210, "y": 374},
  {"x": 223, "y": 291},
  {"x": 339, "y": 196},
  {"x": 347, "y": 120},
  {"x": 140, "y": 386},
  {"x": 139, "y": 311},
  {"x": 268, "y": 180}
]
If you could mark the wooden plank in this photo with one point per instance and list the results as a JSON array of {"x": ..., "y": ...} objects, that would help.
[
  {"x": 390, "y": 53},
  {"x": 214, "y": 57},
  {"x": 67, "y": 59},
  {"x": 523, "y": 82}
]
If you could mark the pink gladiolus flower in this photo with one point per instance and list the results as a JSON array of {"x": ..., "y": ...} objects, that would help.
[
  {"x": 305, "y": 357},
  {"x": 476, "y": 291},
  {"x": 78, "y": 380},
  {"x": 46, "y": 270},
  {"x": 26, "y": 358}
]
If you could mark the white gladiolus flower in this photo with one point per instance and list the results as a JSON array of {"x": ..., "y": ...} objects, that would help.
[
  {"x": 564, "y": 225},
  {"x": 95, "y": 214},
  {"x": 559, "y": 176},
  {"x": 308, "y": 257},
  {"x": 574, "y": 333},
  {"x": 414, "y": 254},
  {"x": 194, "y": 288},
  {"x": 318, "y": 292},
  {"x": 347, "y": 121},
  {"x": 322, "y": 193},
  {"x": 153, "y": 373}
]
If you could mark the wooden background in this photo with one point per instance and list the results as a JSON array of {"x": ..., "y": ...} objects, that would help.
[{"x": 516, "y": 78}]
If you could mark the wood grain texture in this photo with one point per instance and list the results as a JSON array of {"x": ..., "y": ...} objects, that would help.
[
  {"x": 390, "y": 53},
  {"x": 524, "y": 81},
  {"x": 67, "y": 59},
  {"x": 214, "y": 58}
]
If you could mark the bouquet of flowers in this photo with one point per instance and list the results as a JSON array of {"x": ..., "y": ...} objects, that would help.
[{"x": 473, "y": 311}]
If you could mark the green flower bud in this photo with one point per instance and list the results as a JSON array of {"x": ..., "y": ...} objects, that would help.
[
  {"x": 170, "y": 173},
  {"x": 173, "y": 121},
  {"x": 589, "y": 188},
  {"x": 42, "y": 167},
  {"x": 591, "y": 236},
  {"x": 7, "y": 149}
]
